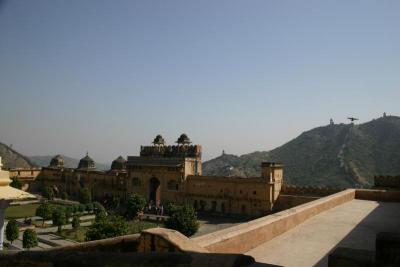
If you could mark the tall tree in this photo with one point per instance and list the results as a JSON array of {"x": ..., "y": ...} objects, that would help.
[
  {"x": 59, "y": 218},
  {"x": 85, "y": 196},
  {"x": 45, "y": 211},
  {"x": 184, "y": 220},
  {"x": 135, "y": 204}
]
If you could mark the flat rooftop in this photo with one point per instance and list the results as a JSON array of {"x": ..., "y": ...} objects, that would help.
[{"x": 353, "y": 224}]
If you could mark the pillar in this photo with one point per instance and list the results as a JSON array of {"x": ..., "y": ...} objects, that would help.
[{"x": 3, "y": 206}]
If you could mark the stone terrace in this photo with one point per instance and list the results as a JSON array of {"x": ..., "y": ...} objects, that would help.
[{"x": 353, "y": 224}]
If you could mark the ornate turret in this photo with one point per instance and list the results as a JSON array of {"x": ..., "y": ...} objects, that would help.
[
  {"x": 183, "y": 140},
  {"x": 159, "y": 140},
  {"x": 87, "y": 163},
  {"x": 57, "y": 162},
  {"x": 119, "y": 164}
]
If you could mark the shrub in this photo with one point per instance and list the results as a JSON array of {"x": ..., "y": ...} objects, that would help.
[
  {"x": 45, "y": 211},
  {"x": 171, "y": 208},
  {"x": 12, "y": 230},
  {"x": 29, "y": 239},
  {"x": 107, "y": 227},
  {"x": 135, "y": 204},
  {"x": 81, "y": 208},
  {"x": 184, "y": 220},
  {"x": 59, "y": 218},
  {"x": 76, "y": 222},
  {"x": 98, "y": 208},
  {"x": 85, "y": 196}
]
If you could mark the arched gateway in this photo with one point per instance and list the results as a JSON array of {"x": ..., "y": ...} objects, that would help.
[{"x": 154, "y": 191}]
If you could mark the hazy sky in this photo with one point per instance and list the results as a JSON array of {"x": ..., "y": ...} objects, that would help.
[{"x": 107, "y": 76}]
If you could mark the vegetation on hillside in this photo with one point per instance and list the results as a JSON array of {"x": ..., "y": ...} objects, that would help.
[{"x": 341, "y": 155}]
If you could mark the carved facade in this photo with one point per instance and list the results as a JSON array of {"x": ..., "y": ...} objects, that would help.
[{"x": 165, "y": 173}]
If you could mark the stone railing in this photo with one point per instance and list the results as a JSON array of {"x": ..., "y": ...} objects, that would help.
[
  {"x": 387, "y": 181},
  {"x": 309, "y": 190},
  {"x": 153, "y": 247}
]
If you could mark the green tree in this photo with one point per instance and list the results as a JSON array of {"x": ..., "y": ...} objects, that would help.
[
  {"x": 29, "y": 239},
  {"x": 76, "y": 222},
  {"x": 12, "y": 230},
  {"x": 171, "y": 208},
  {"x": 16, "y": 183},
  {"x": 107, "y": 227},
  {"x": 81, "y": 207},
  {"x": 48, "y": 192},
  {"x": 98, "y": 208},
  {"x": 45, "y": 211},
  {"x": 59, "y": 218},
  {"x": 135, "y": 204},
  {"x": 85, "y": 196},
  {"x": 184, "y": 220}
]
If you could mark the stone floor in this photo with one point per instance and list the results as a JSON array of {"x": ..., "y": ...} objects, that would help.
[
  {"x": 209, "y": 224},
  {"x": 353, "y": 224}
]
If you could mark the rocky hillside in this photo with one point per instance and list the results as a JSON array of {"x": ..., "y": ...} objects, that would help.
[
  {"x": 13, "y": 159},
  {"x": 334, "y": 155}
]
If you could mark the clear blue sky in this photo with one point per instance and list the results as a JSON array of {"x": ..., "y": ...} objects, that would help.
[{"x": 107, "y": 76}]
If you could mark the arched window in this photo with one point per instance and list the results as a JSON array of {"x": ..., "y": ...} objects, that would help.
[{"x": 172, "y": 185}]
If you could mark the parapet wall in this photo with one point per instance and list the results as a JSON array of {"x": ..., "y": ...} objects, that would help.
[
  {"x": 171, "y": 151},
  {"x": 243, "y": 237},
  {"x": 378, "y": 195},
  {"x": 309, "y": 190},
  {"x": 387, "y": 181}
]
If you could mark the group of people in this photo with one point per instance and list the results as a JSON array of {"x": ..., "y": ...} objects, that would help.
[{"x": 157, "y": 209}]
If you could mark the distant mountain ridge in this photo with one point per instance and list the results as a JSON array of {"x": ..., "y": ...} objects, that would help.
[
  {"x": 343, "y": 155},
  {"x": 13, "y": 159},
  {"x": 44, "y": 161}
]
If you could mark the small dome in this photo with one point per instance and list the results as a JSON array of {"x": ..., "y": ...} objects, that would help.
[
  {"x": 183, "y": 140},
  {"x": 118, "y": 164},
  {"x": 57, "y": 161},
  {"x": 159, "y": 140},
  {"x": 87, "y": 163}
]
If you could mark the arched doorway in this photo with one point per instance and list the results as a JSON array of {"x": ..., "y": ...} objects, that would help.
[{"x": 154, "y": 191}]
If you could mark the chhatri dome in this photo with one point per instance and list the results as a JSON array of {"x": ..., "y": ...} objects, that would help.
[
  {"x": 159, "y": 140},
  {"x": 183, "y": 140},
  {"x": 87, "y": 163},
  {"x": 8, "y": 194},
  {"x": 119, "y": 164},
  {"x": 57, "y": 162}
]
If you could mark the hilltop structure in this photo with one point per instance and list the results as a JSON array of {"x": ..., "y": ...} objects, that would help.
[{"x": 164, "y": 173}]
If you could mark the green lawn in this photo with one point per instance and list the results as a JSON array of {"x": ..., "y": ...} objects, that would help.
[{"x": 21, "y": 211}]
